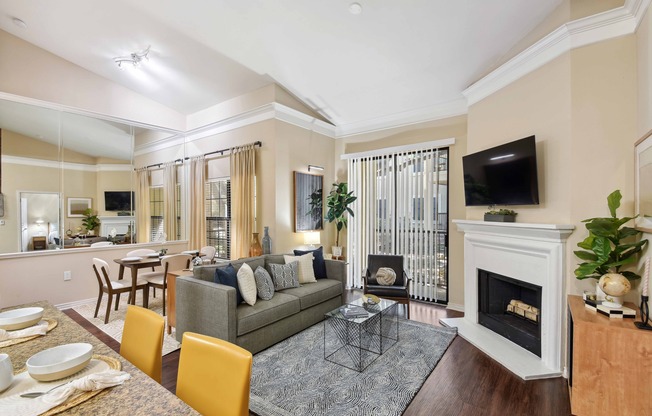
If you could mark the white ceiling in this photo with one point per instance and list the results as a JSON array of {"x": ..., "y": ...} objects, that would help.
[{"x": 397, "y": 57}]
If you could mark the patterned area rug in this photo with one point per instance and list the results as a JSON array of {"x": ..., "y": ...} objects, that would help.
[
  {"x": 117, "y": 318},
  {"x": 292, "y": 377}
]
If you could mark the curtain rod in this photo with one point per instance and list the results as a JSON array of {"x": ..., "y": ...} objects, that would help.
[{"x": 221, "y": 151}]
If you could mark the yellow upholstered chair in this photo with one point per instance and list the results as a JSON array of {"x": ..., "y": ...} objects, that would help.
[
  {"x": 214, "y": 376},
  {"x": 142, "y": 340}
]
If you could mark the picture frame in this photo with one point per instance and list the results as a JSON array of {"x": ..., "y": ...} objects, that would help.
[
  {"x": 643, "y": 163},
  {"x": 308, "y": 202},
  {"x": 77, "y": 206}
]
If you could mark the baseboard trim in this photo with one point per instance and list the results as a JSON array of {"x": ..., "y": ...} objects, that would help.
[
  {"x": 455, "y": 307},
  {"x": 70, "y": 305}
]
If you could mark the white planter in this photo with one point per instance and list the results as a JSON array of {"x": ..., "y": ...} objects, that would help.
[{"x": 337, "y": 251}]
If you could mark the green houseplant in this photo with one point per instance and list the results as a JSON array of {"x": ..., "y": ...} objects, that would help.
[
  {"x": 90, "y": 221},
  {"x": 500, "y": 215},
  {"x": 604, "y": 250},
  {"x": 337, "y": 202}
]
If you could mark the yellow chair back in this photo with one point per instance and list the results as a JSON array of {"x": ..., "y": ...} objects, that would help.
[
  {"x": 214, "y": 376},
  {"x": 142, "y": 340}
]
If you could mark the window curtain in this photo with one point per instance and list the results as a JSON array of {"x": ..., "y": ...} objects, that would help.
[
  {"x": 243, "y": 170},
  {"x": 402, "y": 208},
  {"x": 197, "y": 217},
  {"x": 170, "y": 200},
  {"x": 143, "y": 227}
]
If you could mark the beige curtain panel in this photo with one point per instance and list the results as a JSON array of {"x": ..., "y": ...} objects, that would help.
[
  {"x": 143, "y": 229},
  {"x": 170, "y": 200},
  {"x": 196, "y": 181},
  {"x": 243, "y": 170}
]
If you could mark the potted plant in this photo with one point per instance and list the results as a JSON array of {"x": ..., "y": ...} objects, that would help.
[
  {"x": 500, "y": 215},
  {"x": 337, "y": 202},
  {"x": 90, "y": 221},
  {"x": 609, "y": 246}
]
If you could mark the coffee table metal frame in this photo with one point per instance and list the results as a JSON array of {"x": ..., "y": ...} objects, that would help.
[{"x": 355, "y": 343}]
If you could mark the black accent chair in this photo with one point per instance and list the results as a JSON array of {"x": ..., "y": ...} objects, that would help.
[{"x": 399, "y": 291}]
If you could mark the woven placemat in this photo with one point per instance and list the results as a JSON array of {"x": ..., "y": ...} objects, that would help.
[
  {"x": 114, "y": 364},
  {"x": 52, "y": 323}
]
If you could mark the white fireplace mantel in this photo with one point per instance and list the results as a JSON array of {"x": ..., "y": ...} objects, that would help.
[{"x": 533, "y": 253}]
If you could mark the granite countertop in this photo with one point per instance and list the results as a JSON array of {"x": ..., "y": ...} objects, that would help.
[{"x": 140, "y": 395}]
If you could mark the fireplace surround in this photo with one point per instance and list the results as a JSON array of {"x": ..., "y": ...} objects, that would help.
[{"x": 533, "y": 254}]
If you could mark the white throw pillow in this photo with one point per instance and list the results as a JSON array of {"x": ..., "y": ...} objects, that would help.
[
  {"x": 385, "y": 276},
  {"x": 247, "y": 284},
  {"x": 305, "y": 269}
]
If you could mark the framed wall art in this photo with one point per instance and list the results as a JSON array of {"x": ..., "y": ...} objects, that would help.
[
  {"x": 77, "y": 206},
  {"x": 308, "y": 202}
]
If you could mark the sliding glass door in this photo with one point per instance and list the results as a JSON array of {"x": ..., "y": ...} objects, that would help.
[{"x": 402, "y": 208}]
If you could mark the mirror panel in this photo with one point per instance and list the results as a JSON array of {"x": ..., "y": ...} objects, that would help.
[
  {"x": 50, "y": 156},
  {"x": 30, "y": 161}
]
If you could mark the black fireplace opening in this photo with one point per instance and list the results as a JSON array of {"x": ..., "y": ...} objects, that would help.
[{"x": 511, "y": 308}]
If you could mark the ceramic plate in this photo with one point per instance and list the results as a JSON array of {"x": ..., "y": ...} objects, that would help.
[{"x": 20, "y": 318}]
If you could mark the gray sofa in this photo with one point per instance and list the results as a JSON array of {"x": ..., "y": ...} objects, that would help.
[{"x": 210, "y": 308}]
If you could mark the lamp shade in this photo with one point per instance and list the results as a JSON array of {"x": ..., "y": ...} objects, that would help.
[{"x": 311, "y": 238}]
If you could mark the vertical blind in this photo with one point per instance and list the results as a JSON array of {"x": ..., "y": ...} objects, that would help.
[{"x": 402, "y": 208}]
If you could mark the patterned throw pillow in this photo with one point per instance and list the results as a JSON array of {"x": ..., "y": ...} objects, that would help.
[
  {"x": 228, "y": 276},
  {"x": 264, "y": 283},
  {"x": 247, "y": 284},
  {"x": 318, "y": 262},
  {"x": 385, "y": 276},
  {"x": 305, "y": 270},
  {"x": 285, "y": 276}
]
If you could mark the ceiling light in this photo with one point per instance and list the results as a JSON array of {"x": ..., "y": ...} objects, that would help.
[
  {"x": 134, "y": 59},
  {"x": 355, "y": 8},
  {"x": 18, "y": 22}
]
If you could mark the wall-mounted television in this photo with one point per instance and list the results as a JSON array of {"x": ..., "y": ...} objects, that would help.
[
  {"x": 118, "y": 200},
  {"x": 502, "y": 175}
]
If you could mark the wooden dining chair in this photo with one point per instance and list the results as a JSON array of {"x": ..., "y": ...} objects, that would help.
[
  {"x": 208, "y": 254},
  {"x": 114, "y": 287},
  {"x": 169, "y": 263},
  {"x": 144, "y": 252},
  {"x": 214, "y": 375},
  {"x": 142, "y": 340}
]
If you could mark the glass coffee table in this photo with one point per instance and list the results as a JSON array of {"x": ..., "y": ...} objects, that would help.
[{"x": 357, "y": 341}]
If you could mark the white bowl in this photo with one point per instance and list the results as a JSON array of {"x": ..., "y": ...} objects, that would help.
[
  {"x": 20, "y": 318},
  {"x": 59, "y": 362}
]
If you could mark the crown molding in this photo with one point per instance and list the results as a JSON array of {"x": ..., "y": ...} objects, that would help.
[
  {"x": 611, "y": 24},
  {"x": 270, "y": 111},
  {"x": 406, "y": 118},
  {"x": 53, "y": 164}
]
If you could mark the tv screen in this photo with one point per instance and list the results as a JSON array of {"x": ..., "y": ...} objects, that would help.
[
  {"x": 502, "y": 175},
  {"x": 118, "y": 200}
]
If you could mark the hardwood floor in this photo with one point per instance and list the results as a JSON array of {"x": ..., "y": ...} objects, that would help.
[{"x": 465, "y": 382}]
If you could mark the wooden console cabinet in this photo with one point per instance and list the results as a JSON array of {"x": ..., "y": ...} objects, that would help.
[
  {"x": 610, "y": 363},
  {"x": 171, "y": 300}
]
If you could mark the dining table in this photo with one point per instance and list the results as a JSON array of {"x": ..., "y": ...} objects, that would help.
[
  {"x": 134, "y": 266},
  {"x": 140, "y": 395}
]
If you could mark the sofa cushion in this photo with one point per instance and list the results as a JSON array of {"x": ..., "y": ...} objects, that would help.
[
  {"x": 264, "y": 283},
  {"x": 247, "y": 284},
  {"x": 318, "y": 263},
  {"x": 305, "y": 272},
  {"x": 262, "y": 314},
  {"x": 229, "y": 277},
  {"x": 284, "y": 275},
  {"x": 315, "y": 293}
]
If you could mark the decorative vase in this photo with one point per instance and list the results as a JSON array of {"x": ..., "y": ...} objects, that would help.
[
  {"x": 615, "y": 286},
  {"x": 267, "y": 242},
  {"x": 255, "y": 249}
]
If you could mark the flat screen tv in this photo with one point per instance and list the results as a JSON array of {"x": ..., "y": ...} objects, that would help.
[
  {"x": 118, "y": 200},
  {"x": 502, "y": 175}
]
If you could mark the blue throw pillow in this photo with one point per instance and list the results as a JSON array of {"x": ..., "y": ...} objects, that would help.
[
  {"x": 229, "y": 277},
  {"x": 318, "y": 263}
]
